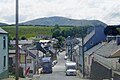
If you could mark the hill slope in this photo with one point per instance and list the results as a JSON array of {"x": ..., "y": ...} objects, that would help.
[
  {"x": 3, "y": 24},
  {"x": 62, "y": 21}
]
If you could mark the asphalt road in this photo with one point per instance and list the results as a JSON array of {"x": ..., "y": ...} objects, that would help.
[{"x": 58, "y": 71}]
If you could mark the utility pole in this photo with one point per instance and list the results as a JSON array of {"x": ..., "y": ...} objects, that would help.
[
  {"x": 83, "y": 67},
  {"x": 71, "y": 50},
  {"x": 69, "y": 45},
  {"x": 16, "y": 56}
]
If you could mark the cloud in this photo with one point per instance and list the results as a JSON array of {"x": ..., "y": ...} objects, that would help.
[{"x": 105, "y": 10}]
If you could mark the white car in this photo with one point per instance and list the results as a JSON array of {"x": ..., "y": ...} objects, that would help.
[{"x": 70, "y": 68}]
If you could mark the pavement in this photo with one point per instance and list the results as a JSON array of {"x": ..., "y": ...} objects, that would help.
[
  {"x": 81, "y": 75},
  {"x": 37, "y": 76},
  {"x": 33, "y": 77}
]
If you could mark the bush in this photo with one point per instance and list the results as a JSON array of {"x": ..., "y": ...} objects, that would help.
[{"x": 23, "y": 38}]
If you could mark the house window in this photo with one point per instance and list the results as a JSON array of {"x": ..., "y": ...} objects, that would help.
[
  {"x": 29, "y": 61},
  {"x": 4, "y": 63},
  {"x": 91, "y": 43},
  {"x": 4, "y": 42},
  {"x": 85, "y": 48}
]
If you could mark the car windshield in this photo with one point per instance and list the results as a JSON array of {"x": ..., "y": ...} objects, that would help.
[
  {"x": 71, "y": 67},
  {"x": 46, "y": 64}
]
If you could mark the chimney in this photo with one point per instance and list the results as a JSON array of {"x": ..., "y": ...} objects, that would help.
[
  {"x": 109, "y": 38},
  {"x": 118, "y": 39}
]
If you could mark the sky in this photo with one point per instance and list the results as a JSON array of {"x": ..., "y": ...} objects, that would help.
[{"x": 107, "y": 11}]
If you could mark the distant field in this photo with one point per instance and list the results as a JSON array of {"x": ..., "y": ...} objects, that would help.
[{"x": 30, "y": 31}]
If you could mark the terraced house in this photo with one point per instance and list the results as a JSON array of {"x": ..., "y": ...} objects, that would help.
[{"x": 3, "y": 54}]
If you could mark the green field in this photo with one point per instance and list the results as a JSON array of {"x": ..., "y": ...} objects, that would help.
[{"x": 30, "y": 31}]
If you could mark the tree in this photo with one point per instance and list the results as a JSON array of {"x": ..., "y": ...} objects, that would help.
[
  {"x": 56, "y": 33},
  {"x": 23, "y": 38},
  {"x": 110, "y": 30}
]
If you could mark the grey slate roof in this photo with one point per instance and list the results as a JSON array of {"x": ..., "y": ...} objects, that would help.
[
  {"x": 108, "y": 49},
  {"x": 3, "y": 31},
  {"x": 103, "y": 51},
  {"x": 93, "y": 49},
  {"x": 104, "y": 61},
  {"x": 89, "y": 36}
]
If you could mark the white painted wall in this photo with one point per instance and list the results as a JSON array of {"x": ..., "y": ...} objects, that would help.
[{"x": 3, "y": 52}]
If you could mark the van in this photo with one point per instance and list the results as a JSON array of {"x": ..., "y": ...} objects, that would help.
[{"x": 70, "y": 68}]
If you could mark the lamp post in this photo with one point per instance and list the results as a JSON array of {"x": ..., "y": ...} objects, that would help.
[{"x": 16, "y": 56}]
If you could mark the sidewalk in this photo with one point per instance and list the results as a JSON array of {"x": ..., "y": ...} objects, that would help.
[
  {"x": 34, "y": 77},
  {"x": 14, "y": 79},
  {"x": 81, "y": 75}
]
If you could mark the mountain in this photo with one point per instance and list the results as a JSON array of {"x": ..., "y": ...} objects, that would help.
[
  {"x": 62, "y": 21},
  {"x": 3, "y": 24}
]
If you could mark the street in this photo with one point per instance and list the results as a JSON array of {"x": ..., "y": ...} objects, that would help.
[{"x": 58, "y": 71}]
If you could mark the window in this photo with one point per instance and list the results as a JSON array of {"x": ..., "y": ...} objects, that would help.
[
  {"x": 29, "y": 61},
  {"x": 4, "y": 63},
  {"x": 4, "y": 42},
  {"x": 91, "y": 43},
  {"x": 85, "y": 48}
]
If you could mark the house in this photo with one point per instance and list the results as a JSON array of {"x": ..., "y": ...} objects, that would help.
[
  {"x": 26, "y": 57},
  {"x": 93, "y": 38},
  {"x": 3, "y": 54},
  {"x": 28, "y": 60},
  {"x": 24, "y": 43},
  {"x": 21, "y": 42},
  {"x": 101, "y": 62}
]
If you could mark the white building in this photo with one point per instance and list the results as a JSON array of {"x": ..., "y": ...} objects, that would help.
[{"x": 3, "y": 54}]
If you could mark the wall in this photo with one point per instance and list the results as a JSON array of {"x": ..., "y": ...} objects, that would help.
[
  {"x": 98, "y": 37},
  {"x": 116, "y": 76},
  {"x": 3, "y": 52},
  {"x": 99, "y": 72}
]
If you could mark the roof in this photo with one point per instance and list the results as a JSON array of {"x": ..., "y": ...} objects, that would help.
[
  {"x": 93, "y": 49},
  {"x": 116, "y": 54},
  {"x": 87, "y": 38},
  {"x": 44, "y": 41},
  {"x": 3, "y": 31},
  {"x": 103, "y": 51},
  {"x": 102, "y": 60},
  {"x": 22, "y": 41},
  {"x": 108, "y": 49}
]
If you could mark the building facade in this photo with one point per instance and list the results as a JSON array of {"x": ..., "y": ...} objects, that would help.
[
  {"x": 92, "y": 39},
  {"x": 3, "y": 54}
]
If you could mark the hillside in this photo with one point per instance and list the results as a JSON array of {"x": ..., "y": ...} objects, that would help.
[
  {"x": 30, "y": 31},
  {"x": 3, "y": 24},
  {"x": 62, "y": 21}
]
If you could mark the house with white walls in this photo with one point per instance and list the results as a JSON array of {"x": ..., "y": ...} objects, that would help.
[{"x": 3, "y": 54}]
